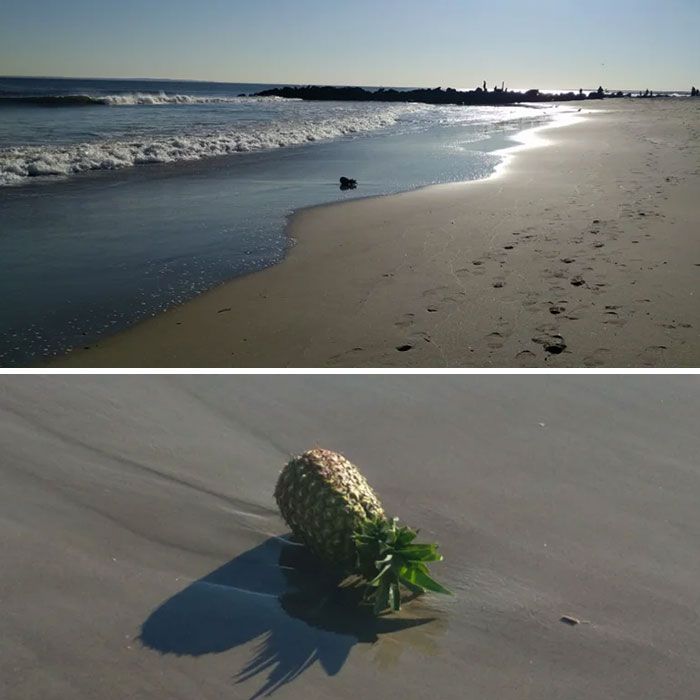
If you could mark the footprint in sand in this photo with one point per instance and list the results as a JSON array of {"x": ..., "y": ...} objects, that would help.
[
  {"x": 448, "y": 299},
  {"x": 547, "y": 328},
  {"x": 553, "y": 344},
  {"x": 415, "y": 336},
  {"x": 477, "y": 268},
  {"x": 613, "y": 318},
  {"x": 347, "y": 353},
  {"x": 653, "y": 355},
  {"x": 434, "y": 291},
  {"x": 421, "y": 334},
  {"x": 495, "y": 340},
  {"x": 526, "y": 358},
  {"x": 674, "y": 325},
  {"x": 406, "y": 321}
]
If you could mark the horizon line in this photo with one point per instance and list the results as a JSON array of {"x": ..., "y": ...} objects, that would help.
[{"x": 318, "y": 84}]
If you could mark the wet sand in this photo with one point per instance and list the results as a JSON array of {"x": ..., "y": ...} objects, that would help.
[
  {"x": 140, "y": 555},
  {"x": 582, "y": 253}
]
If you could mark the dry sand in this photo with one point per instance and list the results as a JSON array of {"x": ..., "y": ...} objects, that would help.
[
  {"x": 140, "y": 559},
  {"x": 589, "y": 245}
]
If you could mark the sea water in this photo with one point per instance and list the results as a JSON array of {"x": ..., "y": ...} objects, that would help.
[{"x": 119, "y": 199}]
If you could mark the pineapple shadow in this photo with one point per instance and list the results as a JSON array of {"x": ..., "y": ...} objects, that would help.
[{"x": 278, "y": 594}]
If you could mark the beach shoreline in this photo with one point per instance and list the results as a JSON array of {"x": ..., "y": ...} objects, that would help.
[
  {"x": 153, "y": 235},
  {"x": 550, "y": 262}
]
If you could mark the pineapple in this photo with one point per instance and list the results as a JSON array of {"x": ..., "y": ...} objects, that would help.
[{"x": 332, "y": 509}]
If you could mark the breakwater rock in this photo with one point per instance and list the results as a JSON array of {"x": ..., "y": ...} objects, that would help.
[{"x": 499, "y": 96}]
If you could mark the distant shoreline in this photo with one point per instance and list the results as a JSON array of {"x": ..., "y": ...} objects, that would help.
[{"x": 481, "y": 96}]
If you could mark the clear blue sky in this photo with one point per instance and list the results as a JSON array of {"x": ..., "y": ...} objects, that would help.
[{"x": 544, "y": 43}]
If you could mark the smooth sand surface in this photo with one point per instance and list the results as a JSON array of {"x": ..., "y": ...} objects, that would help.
[
  {"x": 140, "y": 559},
  {"x": 588, "y": 247}
]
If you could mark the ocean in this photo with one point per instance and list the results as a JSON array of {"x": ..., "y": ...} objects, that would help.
[{"x": 121, "y": 198}]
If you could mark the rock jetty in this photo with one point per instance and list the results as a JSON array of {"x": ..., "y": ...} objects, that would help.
[{"x": 479, "y": 96}]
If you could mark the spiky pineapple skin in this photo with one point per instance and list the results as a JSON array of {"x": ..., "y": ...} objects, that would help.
[{"x": 323, "y": 498}]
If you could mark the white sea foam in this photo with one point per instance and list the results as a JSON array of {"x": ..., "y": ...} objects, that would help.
[
  {"x": 18, "y": 164},
  {"x": 293, "y": 124},
  {"x": 162, "y": 98},
  {"x": 132, "y": 99}
]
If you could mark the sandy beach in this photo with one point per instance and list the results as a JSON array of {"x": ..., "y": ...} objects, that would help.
[
  {"x": 141, "y": 555},
  {"x": 581, "y": 253}
]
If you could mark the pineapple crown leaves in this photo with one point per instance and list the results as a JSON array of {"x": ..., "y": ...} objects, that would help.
[{"x": 388, "y": 557}]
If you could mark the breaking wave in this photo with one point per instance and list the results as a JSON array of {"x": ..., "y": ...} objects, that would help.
[
  {"x": 134, "y": 98},
  {"x": 20, "y": 163}
]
